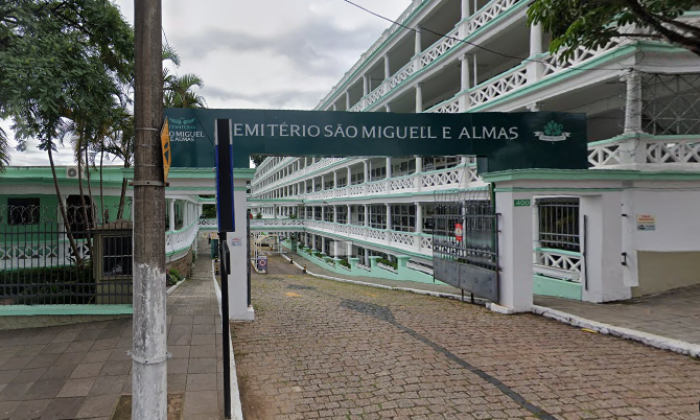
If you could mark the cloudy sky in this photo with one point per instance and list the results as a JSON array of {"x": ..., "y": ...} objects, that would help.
[{"x": 282, "y": 54}]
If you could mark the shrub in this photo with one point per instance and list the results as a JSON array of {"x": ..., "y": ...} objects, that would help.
[
  {"x": 51, "y": 285},
  {"x": 318, "y": 254},
  {"x": 344, "y": 263},
  {"x": 258, "y": 216},
  {"x": 386, "y": 262}
]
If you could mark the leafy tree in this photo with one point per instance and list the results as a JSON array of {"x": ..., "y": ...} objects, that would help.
[
  {"x": 61, "y": 61},
  {"x": 593, "y": 23},
  {"x": 257, "y": 159},
  {"x": 178, "y": 89}
]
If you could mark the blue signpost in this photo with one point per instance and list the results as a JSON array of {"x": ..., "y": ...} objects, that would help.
[{"x": 226, "y": 220}]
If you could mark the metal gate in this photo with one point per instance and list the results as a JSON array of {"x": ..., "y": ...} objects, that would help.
[{"x": 465, "y": 242}]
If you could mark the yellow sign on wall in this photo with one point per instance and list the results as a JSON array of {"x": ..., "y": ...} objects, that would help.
[{"x": 165, "y": 146}]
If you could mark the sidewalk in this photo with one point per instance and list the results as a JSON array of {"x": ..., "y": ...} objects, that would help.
[
  {"x": 674, "y": 315},
  {"x": 80, "y": 371}
]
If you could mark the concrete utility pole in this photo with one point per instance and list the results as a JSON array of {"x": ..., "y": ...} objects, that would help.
[{"x": 149, "y": 352}]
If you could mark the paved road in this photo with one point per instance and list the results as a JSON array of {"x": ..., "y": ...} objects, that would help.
[{"x": 322, "y": 349}]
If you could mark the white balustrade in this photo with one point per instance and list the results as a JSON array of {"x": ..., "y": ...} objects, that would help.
[
  {"x": 440, "y": 47},
  {"x": 499, "y": 86},
  {"x": 450, "y": 106},
  {"x": 558, "y": 264},
  {"x": 14, "y": 256},
  {"x": 376, "y": 187},
  {"x": 400, "y": 184},
  {"x": 554, "y": 64},
  {"x": 487, "y": 14},
  {"x": 451, "y": 177},
  {"x": 399, "y": 238},
  {"x": 180, "y": 240},
  {"x": 646, "y": 152}
]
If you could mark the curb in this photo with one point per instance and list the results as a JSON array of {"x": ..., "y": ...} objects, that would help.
[
  {"x": 173, "y": 287},
  {"x": 236, "y": 407},
  {"x": 384, "y": 286},
  {"x": 653, "y": 340}
]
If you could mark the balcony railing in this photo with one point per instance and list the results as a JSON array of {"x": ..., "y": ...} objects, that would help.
[
  {"x": 645, "y": 151},
  {"x": 419, "y": 243}
]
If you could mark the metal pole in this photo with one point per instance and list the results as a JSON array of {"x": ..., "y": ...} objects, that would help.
[{"x": 149, "y": 330}]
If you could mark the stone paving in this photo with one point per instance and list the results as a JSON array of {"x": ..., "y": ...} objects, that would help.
[
  {"x": 80, "y": 371},
  {"x": 675, "y": 314},
  {"x": 323, "y": 349}
]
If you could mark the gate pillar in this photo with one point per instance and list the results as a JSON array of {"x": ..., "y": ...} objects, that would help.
[
  {"x": 240, "y": 308},
  {"x": 515, "y": 241}
]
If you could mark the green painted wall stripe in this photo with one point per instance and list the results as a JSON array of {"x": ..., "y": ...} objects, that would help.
[
  {"x": 547, "y": 286},
  {"x": 34, "y": 310},
  {"x": 588, "y": 175}
]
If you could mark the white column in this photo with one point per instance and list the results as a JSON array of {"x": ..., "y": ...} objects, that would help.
[
  {"x": 417, "y": 46},
  {"x": 349, "y": 215},
  {"x": 466, "y": 9},
  {"x": 171, "y": 215},
  {"x": 515, "y": 248},
  {"x": 335, "y": 214},
  {"x": 365, "y": 162},
  {"x": 388, "y": 168},
  {"x": 323, "y": 244},
  {"x": 387, "y": 108},
  {"x": 633, "y": 106},
  {"x": 323, "y": 183},
  {"x": 475, "y": 70},
  {"x": 349, "y": 175},
  {"x": 387, "y": 68},
  {"x": 366, "y": 215},
  {"x": 419, "y": 98},
  {"x": 419, "y": 165},
  {"x": 419, "y": 218},
  {"x": 535, "y": 68},
  {"x": 323, "y": 213},
  {"x": 465, "y": 76},
  {"x": 347, "y": 100},
  {"x": 335, "y": 108},
  {"x": 365, "y": 85},
  {"x": 335, "y": 179},
  {"x": 388, "y": 217}
]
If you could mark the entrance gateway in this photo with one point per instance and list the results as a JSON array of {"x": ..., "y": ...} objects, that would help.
[
  {"x": 466, "y": 248},
  {"x": 466, "y": 251}
]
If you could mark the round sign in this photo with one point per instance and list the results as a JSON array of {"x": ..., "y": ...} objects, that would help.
[{"x": 262, "y": 263}]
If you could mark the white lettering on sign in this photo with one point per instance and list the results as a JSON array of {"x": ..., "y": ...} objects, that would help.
[{"x": 341, "y": 131}]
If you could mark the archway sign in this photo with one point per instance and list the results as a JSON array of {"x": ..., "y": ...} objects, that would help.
[
  {"x": 500, "y": 141},
  {"x": 503, "y": 140}
]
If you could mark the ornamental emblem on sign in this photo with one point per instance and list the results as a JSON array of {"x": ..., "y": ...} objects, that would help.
[{"x": 553, "y": 131}]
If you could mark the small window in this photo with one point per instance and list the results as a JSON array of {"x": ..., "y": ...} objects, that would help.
[{"x": 23, "y": 211}]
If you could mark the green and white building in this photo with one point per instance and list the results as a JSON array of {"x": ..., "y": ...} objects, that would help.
[{"x": 625, "y": 227}]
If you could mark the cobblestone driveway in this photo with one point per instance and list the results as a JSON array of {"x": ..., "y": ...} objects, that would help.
[{"x": 321, "y": 349}]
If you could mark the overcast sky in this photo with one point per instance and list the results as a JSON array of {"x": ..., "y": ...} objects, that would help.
[{"x": 282, "y": 54}]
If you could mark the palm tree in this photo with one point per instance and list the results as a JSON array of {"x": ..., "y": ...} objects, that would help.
[
  {"x": 4, "y": 151},
  {"x": 178, "y": 93}
]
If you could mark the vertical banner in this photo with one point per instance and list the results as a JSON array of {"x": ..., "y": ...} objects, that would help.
[{"x": 459, "y": 232}]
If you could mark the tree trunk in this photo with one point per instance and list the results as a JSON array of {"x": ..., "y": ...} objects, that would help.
[
  {"x": 71, "y": 240},
  {"x": 82, "y": 195},
  {"x": 122, "y": 198}
]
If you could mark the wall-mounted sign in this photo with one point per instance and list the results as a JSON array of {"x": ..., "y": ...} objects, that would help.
[
  {"x": 646, "y": 222},
  {"x": 504, "y": 140},
  {"x": 525, "y": 202}
]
